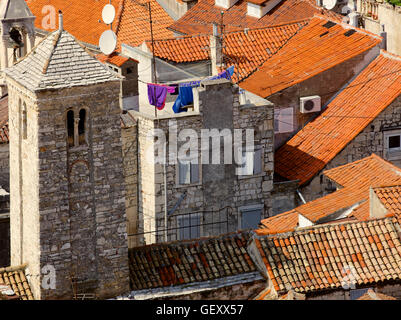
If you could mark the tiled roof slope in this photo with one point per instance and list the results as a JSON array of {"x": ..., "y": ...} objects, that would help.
[
  {"x": 134, "y": 27},
  {"x": 246, "y": 50},
  {"x": 390, "y": 196},
  {"x": 59, "y": 61},
  {"x": 313, "y": 147},
  {"x": 115, "y": 59},
  {"x": 371, "y": 295},
  {"x": 200, "y": 18},
  {"x": 15, "y": 278},
  {"x": 189, "y": 261},
  {"x": 317, "y": 258},
  {"x": 80, "y": 18},
  {"x": 131, "y": 24},
  {"x": 317, "y": 47},
  {"x": 356, "y": 179}
]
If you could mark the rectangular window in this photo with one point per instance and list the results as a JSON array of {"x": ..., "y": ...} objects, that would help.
[
  {"x": 392, "y": 144},
  {"x": 283, "y": 120},
  {"x": 188, "y": 173},
  {"x": 251, "y": 162},
  {"x": 189, "y": 226},
  {"x": 251, "y": 217}
]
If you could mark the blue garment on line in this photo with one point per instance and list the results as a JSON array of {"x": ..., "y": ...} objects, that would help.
[{"x": 185, "y": 97}]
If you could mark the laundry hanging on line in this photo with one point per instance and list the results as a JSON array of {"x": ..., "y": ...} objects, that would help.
[
  {"x": 185, "y": 96},
  {"x": 157, "y": 94}
]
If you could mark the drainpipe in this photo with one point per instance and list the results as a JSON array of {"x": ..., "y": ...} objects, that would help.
[
  {"x": 301, "y": 197},
  {"x": 165, "y": 192}
]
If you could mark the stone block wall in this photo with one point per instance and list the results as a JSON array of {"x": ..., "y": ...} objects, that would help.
[
  {"x": 219, "y": 192},
  {"x": 325, "y": 84},
  {"x": 368, "y": 141},
  {"x": 5, "y": 166},
  {"x": 68, "y": 205}
]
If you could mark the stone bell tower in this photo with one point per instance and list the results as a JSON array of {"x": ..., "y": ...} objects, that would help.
[
  {"x": 67, "y": 210},
  {"x": 17, "y": 33}
]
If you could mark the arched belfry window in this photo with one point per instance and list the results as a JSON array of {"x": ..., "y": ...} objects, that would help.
[
  {"x": 82, "y": 126},
  {"x": 76, "y": 127},
  {"x": 70, "y": 128}
]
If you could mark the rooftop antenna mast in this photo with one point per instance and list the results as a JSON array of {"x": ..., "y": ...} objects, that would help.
[
  {"x": 222, "y": 38},
  {"x": 153, "y": 52}
]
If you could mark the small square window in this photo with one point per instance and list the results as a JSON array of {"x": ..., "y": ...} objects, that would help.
[
  {"x": 188, "y": 172},
  {"x": 394, "y": 142},
  {"x": 189, "y": 226}
]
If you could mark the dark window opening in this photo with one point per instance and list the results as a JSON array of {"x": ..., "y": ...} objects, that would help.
[
  {"x": 81, "y": 126},
  {"x": 349, "y": 33},
  {"x": 329, "y": 24},
  {"x": 70, "y": 128},
  {"x": 394, "y": 142},
  {"x": 24, "y": 123},
  {"x": 323, "y": 34},
  {"x": 129, "y": 70}
]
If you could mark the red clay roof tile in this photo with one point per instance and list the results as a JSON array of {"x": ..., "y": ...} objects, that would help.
[
  {"x": 200, "y": 18},
  {"x": 322, "y": 278},
  {"x": 303, "y": 156}
]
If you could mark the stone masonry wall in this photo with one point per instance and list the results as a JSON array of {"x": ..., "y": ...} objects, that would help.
[
  {"x": 326, "y": 84},
  {"x": 370, "y": 140},
  {"x": 130, "y": 158},
  {"x": 71, "y": 200},
  {"x": 218, "y": 187}
]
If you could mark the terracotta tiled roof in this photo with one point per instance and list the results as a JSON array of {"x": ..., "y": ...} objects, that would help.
[
  {"x": 81, "y": 19},
  {"x": 313, "y": 147},
  {"x": 371, "y": 295},
  {"x": 245, "y": 50},
  {"x": 280, "y": 223},
  {"x": 114, "y": 59},
  {"x": 190, "y": 261},
  {"x": 200, "y": 18},
  {"x": 317, "y": 258},
  {"x": 390, "y": 196},
  {"x": 317, "y": 47},
  {"x": 356, "y": 179},
  {"x": 14, "y": 277}
]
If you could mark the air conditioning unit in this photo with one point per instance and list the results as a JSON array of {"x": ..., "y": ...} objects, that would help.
[{"x": 310, "y": 104}]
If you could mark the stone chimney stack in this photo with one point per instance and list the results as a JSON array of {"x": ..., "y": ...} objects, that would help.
[
  {"x": 216, "y": 52},
  {"x": 383, "y": 34},
  {"x": 60, "y": 20}
]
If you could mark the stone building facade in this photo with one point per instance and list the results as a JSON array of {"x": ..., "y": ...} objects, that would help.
[
  {"x": 214, "y": 197},
  {"x": 325, "y": 85},
  {"x": 373, "y": 139},
  {"x": 67, "y": 209}
]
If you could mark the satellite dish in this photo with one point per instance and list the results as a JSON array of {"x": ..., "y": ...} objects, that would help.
[
  {"x": 329, "y": 4},
  {"x": 108, "y": 14},
  {"x": 108, "y": 42}
]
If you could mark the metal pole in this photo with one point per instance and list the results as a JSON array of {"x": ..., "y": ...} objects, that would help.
[
  {"x": 165, "y": 192},
  {"x": 153, "y": 51}
]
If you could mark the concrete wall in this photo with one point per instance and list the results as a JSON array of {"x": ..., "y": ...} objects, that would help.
[
  {"x": 388, "y": 15},
  {"x": 67, "y": 203},
  {"x": 326, "y": 84},
  {"x": 370, "y": 140}
]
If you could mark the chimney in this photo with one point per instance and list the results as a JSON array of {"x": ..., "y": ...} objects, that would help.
[
  {"x": 60, "y": 20},
  {"x": 354, "y": 19},
  {"x": 383, "y": 34},
  {"x": 319, "y": 3},
  {"x": 216, "y": 53}
]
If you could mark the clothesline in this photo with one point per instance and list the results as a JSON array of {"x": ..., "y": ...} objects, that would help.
[{"x": 157, "y": 93}]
